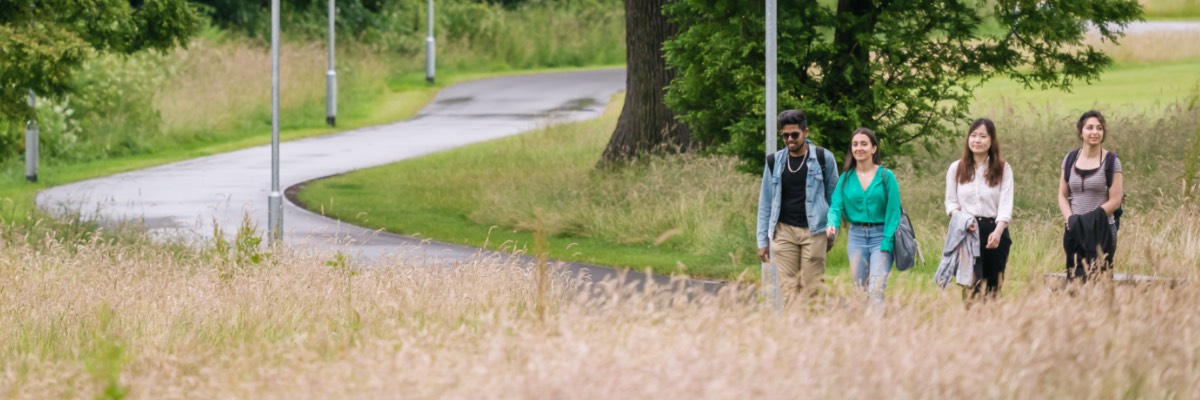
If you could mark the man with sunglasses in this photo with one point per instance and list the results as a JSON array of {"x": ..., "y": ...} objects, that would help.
[{"x": 797, "y": 185}]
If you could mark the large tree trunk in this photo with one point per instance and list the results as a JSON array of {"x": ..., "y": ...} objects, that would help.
[
  {"x": 847, "y": 80},
  {"x": 646, "y": 125}
]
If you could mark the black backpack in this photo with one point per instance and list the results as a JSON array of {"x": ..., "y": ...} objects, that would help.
[
  {"x": 1110, "y": 162},
  {"x": 820, "y": 152}
]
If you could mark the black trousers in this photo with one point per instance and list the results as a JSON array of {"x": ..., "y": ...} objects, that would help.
[{"x": 989, "y": 267}]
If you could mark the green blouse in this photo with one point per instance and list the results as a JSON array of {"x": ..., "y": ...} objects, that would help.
[{"x": 878, "y": 204}]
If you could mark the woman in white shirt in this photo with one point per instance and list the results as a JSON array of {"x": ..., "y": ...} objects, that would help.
[{"x": 981, "y": 184}]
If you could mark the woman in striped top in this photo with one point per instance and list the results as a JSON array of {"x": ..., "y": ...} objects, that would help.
[
  {"x": 981, "y": 185},
  {"x": 1091, "y": 182}
]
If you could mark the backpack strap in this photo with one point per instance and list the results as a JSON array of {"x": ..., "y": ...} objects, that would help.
[
  {"x": 1110, "y": 167},
  {"x": 1070, "y": 163},
  {"x": 885, "y": 184},
  {"x": 821, "y": 158},
  {"x": 771, "y": 163}
]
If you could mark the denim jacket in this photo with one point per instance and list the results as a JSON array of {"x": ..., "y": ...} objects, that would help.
[{"x": 818, "y": 191}]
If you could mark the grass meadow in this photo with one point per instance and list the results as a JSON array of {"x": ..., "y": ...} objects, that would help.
[
  {"x": 94, "y": 318},
  {"x": 105, "y": 313},
  {"x": 695, "y": 215},
  {"x": 1171, "y": 9}
]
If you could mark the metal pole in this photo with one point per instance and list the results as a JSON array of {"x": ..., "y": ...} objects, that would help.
[
  {"x": 31, "y": 126},
  {"x": 331, "y": 76},
  {"x": 31, "y": 142},
  {"x": 771, "y": 116},
  {"x": 429, "y": 48},
  {"x": 275, "y": 200},
  {"x": 770, "y": 273}
]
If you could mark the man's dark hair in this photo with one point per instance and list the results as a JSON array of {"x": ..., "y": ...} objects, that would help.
[{"x": 793, "y": 117}]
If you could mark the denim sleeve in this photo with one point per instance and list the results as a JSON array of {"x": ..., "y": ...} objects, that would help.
[
  {"x": 891, "y": 219},
  {"x": 765, "y": 196}
]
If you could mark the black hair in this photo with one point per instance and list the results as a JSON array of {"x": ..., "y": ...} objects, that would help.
[
  {"x": 1083, "y": 119},
  {"x": 995, "y": 167},
  {"x": 793, "y": 117}
]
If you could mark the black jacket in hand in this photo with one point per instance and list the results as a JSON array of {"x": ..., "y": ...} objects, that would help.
[{"x": 1089, "y": 235}]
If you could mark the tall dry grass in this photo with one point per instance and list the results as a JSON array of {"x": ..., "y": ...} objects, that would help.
[
  {"x": 92, "y": 319},
  {"x": 474, "y": 35},
  {"x": 1159, "y": 226},
  {"x": 221, "y": 86},
  {"x": 690, "y": 202},
  {"x": 1151, "y": 47},
  {"x": 702, "y": 205}
]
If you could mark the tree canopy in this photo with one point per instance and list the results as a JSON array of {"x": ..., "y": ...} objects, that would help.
[
  {"x": 43, "y": 41},
  {"x": 905, "y": 68}
]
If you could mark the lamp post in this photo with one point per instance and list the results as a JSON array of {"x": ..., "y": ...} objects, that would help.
[
  {"x": 770, "y": 273},
  {"x": 275, "y": 199},
  {"x": 771, "y": 86},
  {"x": 31, "y": 142},
  {"x": 429, "y": 47},
  {"x": 331, "y": 76}
]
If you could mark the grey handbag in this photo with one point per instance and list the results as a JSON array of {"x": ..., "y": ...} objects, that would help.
[{"x": 905, "y": 250}]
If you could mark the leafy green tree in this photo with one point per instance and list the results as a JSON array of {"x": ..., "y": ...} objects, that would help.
[
  {"x": 905, "y": 68},
  {"x": 43, "y": 42}
]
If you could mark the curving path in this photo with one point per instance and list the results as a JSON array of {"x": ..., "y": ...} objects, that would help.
[{"x": 183, "y": 199}]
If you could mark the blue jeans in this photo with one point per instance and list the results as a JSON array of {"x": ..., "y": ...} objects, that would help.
[{"x": 868, "y": 263}]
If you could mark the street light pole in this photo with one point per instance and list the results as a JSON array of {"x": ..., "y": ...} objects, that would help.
[
  {"x": 331, "y": 76},
  {"x": 429, "y": 47},
  {"x": 770, "y": 273},
  {"x": 771, "y": 86},
  {"x": 31, "y": 142},
  {"x": 275, "y": 200}
]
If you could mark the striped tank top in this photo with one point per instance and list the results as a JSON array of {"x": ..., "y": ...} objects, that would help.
[{"x": 1088, "y": 189}]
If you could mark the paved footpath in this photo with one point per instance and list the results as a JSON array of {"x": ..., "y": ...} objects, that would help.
[{"x": 183, "y": 199}]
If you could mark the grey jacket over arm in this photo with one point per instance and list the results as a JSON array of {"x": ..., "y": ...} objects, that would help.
[{"x": 961, "y": 246}]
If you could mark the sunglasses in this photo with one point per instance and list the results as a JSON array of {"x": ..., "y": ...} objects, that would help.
[{"x": 791, "y": 135}]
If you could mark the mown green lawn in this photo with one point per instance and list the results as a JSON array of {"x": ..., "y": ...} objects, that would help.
[{"x": 1137, "y": 88}]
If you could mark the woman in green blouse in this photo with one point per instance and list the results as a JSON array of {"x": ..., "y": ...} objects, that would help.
[{"x": 867, "y": 197}]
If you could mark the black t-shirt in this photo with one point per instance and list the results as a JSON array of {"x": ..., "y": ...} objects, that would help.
[{"x": 792, "y": 208}]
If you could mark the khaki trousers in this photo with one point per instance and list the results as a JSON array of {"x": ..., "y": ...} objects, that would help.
[{"x": 800, "y": 257}]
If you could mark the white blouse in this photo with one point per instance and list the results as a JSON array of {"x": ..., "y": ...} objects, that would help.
[{"x": 977, "y": 198}]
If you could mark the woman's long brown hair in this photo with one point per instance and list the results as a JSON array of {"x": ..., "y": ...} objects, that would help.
[
  {"x": 995, "y": 168},
  {"x": 850, "y": 164}
]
